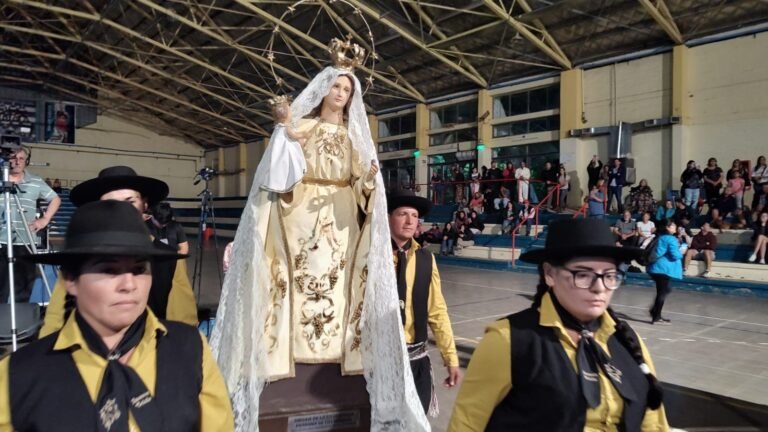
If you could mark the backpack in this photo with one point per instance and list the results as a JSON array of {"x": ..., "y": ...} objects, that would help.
[{"x": 649, "y": 255}]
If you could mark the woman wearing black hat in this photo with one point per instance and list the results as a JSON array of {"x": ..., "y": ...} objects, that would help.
[
  {"x": 114, "y": 366},
  {"x": 567, "y": 363},
  {"x": 171, "y": 296}
]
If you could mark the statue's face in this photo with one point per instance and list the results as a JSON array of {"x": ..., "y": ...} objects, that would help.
[{"x": 339, "y": 94}]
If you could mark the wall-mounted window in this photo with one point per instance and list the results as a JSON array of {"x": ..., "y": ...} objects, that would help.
[
  {"x": 451, "y": 115},
  {"x": 400, "y": 125},
  {"x": 529, "y": 126},
  {"x": 399, "y": 144},
  {"x": 528, "y": 101},
  {"x": 453, "y": 137}
]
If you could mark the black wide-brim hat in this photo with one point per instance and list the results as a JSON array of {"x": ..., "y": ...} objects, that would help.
[
  {"x": 574, "y": 238},
  {"x": 102, "y": 228},
  {"x": 116, "y": 178},
  {"x": 406, "y": 198}
]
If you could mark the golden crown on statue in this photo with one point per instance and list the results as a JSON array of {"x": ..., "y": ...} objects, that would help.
[
  {"x": 277, "y": 100},
  {"x": 345, "y": 54}
]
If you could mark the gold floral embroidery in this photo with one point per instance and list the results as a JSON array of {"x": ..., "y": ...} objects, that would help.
[
  {"x": 277, "y": 291},
  {"x": 332, "y": 143},
  {"x": 357, "y": 316},
  {"x": 317, "y": 307}
]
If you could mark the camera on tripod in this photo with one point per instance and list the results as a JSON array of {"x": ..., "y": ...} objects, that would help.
[
  {"x": 206, "y": 174},
  {"x": 9, "y": 144}
]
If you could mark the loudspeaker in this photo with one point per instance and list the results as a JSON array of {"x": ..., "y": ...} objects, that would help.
[{"x": 28, "y": 322}]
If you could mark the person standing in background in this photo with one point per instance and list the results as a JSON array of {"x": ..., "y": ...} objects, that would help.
[
  {"x": 31, "y": 188},
  {"x": 617, "y": 177},
  {"x": 594, "y": 169},
  {"x": 665, "y": 267},
  {"x": 691, "y": 180},
  {"x": 713, "y": 181},
  {"x": 523, "y": 175},
  {"x": 759, "y": 179}
]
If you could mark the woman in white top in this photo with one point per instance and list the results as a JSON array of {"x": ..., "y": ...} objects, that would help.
[
  {"x": 522, "y": 174},
  {"x": 646, "y": 230}
]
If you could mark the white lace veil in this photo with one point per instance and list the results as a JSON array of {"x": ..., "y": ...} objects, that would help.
[{"x": 237, "y": 339}]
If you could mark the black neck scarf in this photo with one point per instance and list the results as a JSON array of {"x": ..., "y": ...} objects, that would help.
[
  {"x": 402, "y": 263},
  {"x": 590, "y": 356},
  {"x": 122, "y": 390}
]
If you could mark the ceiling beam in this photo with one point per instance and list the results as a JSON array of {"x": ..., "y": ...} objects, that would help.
[
  {"x": 324, "y": 46},
  {"x": 433, "y": 28},
  {"x": 524, "y": 32},
  {"x": 130, "y": 32},
  {"x": 544, "y": 32},
  {"x": 381, "y": 18},
  {"x": 218, "y": 131},
  {"x": 76, "y": 39},
  {"x": 660, "y": 13},
  {"x": 228, "y": 41},
  {"x": 258, "y": 130}
]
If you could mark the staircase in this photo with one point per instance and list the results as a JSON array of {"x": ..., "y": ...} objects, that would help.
[{"x": 61, "y": 219}]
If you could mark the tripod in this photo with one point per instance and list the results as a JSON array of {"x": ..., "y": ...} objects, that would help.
[
  {"x": 9, "y": 188},
  {"x": 206, "y": 210}
]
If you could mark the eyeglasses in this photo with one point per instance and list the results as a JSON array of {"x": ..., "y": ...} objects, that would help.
[{"x": 584, "y": 279}]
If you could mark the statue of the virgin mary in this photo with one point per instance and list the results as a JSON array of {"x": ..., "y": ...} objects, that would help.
[{"x": 311, "y": 278}]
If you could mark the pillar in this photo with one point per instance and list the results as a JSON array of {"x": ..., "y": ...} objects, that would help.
[
  {"x": 484, "y": 128},
  {"x": 242, "y": 176},
  {"x": 422, "y": 145},
  {"x": 680, "y": 108}
]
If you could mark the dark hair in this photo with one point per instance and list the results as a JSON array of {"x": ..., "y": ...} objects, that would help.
[
  {"x": 625, "y": 335},
  {"x": 72, "y": 270},
  {"x": 163, "y": 213}
]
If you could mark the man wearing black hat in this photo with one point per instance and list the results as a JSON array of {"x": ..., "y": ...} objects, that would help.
[
  {"x": 171, "y": 296},
  {"x": 421, "y": 300},
  {"x": 113, "y": 366},
  {"x": 567, "y": 363}
]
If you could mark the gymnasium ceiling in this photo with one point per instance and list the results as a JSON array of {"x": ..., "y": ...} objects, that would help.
[{"x": 202, "y": 68}]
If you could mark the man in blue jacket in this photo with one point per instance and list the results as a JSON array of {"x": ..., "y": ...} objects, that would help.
[{"x": 617, "y": 177}]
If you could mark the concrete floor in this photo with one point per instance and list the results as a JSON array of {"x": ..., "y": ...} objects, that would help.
[{"x": 714, "y": 356}]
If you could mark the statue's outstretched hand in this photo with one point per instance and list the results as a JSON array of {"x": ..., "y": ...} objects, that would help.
[{"x": 372, "y": 172}]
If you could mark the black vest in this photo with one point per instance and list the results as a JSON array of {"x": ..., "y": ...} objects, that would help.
[
  {"x": 420, "y": 294},
  {"x": 162, "y": 282},
  {"x": 47, "y": 392},
  {"x": 546, "y": 394}
]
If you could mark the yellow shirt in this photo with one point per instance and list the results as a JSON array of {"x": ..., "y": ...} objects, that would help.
[
  {"x": 215, "y": 407},
  {"x": 437, "y": 309},
  {"x": 489, "y": 379},
  {"x": 181, "y": 307}
]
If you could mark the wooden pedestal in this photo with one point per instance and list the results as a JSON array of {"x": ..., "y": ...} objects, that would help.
[{"x": 318, "y": 399}]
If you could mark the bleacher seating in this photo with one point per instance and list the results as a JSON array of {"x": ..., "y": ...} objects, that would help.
[
  {"x": 730, "y": 273},
  {"x": 61, "y": 218}
]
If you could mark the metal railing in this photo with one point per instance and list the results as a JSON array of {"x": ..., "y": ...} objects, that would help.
[{"x": 537, "y": 208}]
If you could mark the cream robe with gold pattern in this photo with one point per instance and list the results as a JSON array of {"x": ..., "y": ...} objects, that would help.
[{"x": 317, "y": 252}]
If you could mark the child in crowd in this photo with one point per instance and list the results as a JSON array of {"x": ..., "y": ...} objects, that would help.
[{"x": 736, "y": 185}]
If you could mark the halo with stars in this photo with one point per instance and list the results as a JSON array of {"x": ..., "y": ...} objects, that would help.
[{"x": 365, "y": 40}]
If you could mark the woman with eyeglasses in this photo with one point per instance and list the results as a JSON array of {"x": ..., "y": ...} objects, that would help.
[{"x": 567, "y": 363}]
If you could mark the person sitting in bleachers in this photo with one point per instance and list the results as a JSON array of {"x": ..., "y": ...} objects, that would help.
[
  {"x": 702, "y": 248},
  {"x": 641, "y": 198},
  {"x": 665, "y": 211},
  {"x": 477, "y": 203},
  {"x": 683, "y": 211},
  {"x": 449, "y": 239},
  {"x": 475, "y": 224},
  {"x": 646, "y": 230},
  {"x": 510, "y": 218},
  {"x": 464, "y": 237},
  {"x": 434, "y": 235},
  {"x": 625, "y": 230},
  {"x": 527, "y": 214}
]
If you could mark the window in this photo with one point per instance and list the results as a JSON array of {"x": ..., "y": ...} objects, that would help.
[
  {"x": 398, "y": 173},
  {"x": 528, "y": 101},
  {"x": 453, "y": 137},
  {"x": 397, "y": 125},
  {"x": 540, "y": 124},
  {"x": 395, "y": 145},
  {"x": 447, "y": 116}
]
